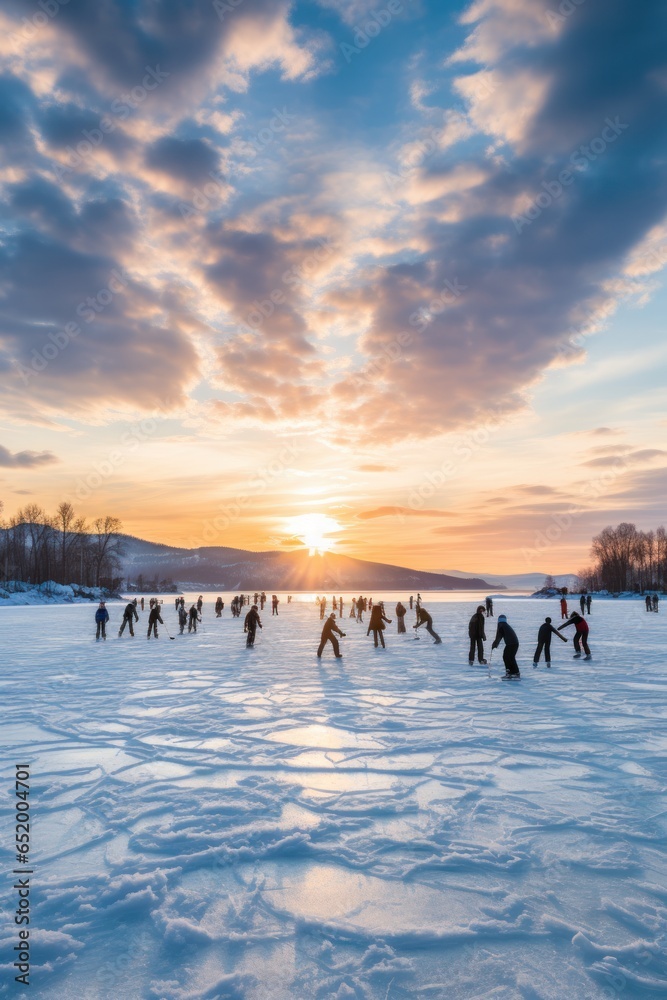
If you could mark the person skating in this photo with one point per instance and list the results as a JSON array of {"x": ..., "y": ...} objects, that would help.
[
  {"x": 218, "y": 608},
  {"x": 353, "y": 608},
  {"x": 153, "y": 618},
  {"x": 376, "y": 624},
  {"x": 582, "y": 603},
  {"x": 251, "y": 624},
  {"x": 424, "y": 618},
  {"x": 360, "y": 608},
  {"x": 505, "y": 633},
  {"x": 580, "y": 634},
  {"x": 193, "y": 618},
  {"x": 477, "y": 634},
  {"x": 101, "y": 619},
  {"x": 656, "y": 601},
  {"x": 489, "y": 607},
  {"x": 328, "y": 636},
  {"x": 262, "y": 600},
  {"x": 648, "y": 603},
  {"x": 182, "y": 618},
  {"x": 588, "y": 603},
  {"x": 401, "y": 612},
  {"x": 130, "y": 615},
  {"x": 142, "y": 604},
  {"x": 544, "y": 634},
  {"x": 563, "y": 607},
  {"x": 412, "y": 600},
  {"x": 200, "y": 604},
  {"x": 274, "y": 604}
]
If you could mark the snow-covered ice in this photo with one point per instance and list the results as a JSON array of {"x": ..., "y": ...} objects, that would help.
[{"x": 214, "y": 822}]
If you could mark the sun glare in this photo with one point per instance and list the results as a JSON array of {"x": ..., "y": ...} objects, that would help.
[{"x": 314, "y": 530}]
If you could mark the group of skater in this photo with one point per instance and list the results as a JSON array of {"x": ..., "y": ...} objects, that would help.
[
  {"x": 505, "y": 634},
  {"x": 378, "y": 620},
  {"x": 652, "y": 602}
]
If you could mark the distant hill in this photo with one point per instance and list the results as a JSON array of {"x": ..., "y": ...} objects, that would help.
[
  {"x": 518, "y": 581},
  {"x": 237, "y": 569}
]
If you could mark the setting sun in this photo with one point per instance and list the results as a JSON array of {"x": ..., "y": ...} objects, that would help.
[{"x": 313, "y": 530}]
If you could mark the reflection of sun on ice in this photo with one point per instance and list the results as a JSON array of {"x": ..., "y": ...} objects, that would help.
[{"x": 313, "y": 530}]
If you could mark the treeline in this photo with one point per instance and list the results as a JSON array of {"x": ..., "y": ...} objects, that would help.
[
  {"x": 36, "y": 546},
  {"x": 627, "y": 559}
]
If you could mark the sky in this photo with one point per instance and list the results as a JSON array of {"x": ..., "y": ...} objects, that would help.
[{"x": 386, "y": 277}]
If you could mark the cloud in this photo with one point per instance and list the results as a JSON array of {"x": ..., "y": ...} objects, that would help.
[
  {"x": 368, "y": 515},
  {"x": 25, "y": 459},
  {"x": 189, "y": 160},
  {"x": 619, "y": 459},
  {"x": 375, "y": 467}
]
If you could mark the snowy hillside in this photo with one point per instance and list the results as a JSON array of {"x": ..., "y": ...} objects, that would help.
[
  {"x": 213, "y": 822},
  {"x": 237, "y": 569}
]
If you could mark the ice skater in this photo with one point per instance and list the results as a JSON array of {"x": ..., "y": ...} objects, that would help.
[
  {"x": 360, "y": 609},
  {"x": 182, "y": 618},
  {"x": 489, "y": 607},
  {"x": 193, "y": 618},
  {"x": 328, "y": 636},
  {"x": 251, "y": 624},
  {"x": 353, "y": 609},
  {"x": 563, "y": 607},
  {"x": 200, "y": 604},
  {"x": 218, "y": 608},
  {"x": 153, "y": 618},
  {"x": 424, "y": 618},
  {"x": 274, "y": 604},
  {"x": 401, "y": 612},
  {"x": 505, "y": 633},
  {"x": 588, "y": 604},
  {"x": 648, "y": 603},
  {"x": 580, "y": 634},
  {"x": 545, "y": 631},
  {"x": 477, "y": 635},
  {"x": 582, "y": 603},
  {"x": 101, "y": 619},
  {"x": 376, "y": 624},
  {"x": 656, "y": 601},
  {"x": 130, "y": 615}
]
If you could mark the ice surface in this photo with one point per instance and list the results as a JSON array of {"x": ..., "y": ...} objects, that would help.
[{"x": 214, "y": 822}]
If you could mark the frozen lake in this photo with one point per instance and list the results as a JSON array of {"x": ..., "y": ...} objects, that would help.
[{"x": 213, "y": 822}]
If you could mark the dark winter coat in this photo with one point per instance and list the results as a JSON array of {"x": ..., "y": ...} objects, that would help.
[
  {"x": 101, "y": 615},
  {"x": 401, "y": 611},
  {"x": 155, "y": 616},
  {"x": 377, "y": 619},
  {"x": 507, "y": 634},
  {"x": 251, "y": 621},
  {"x": 131, "y": 609},
  {"x": 424, "y": 618},
  {"x": 329, "y": 627},
  {"x": 476, "y": 626},
  {"x": 545, "y": 632}
]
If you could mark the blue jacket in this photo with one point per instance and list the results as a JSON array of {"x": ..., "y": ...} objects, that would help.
[{"x": 101, "y": 615}]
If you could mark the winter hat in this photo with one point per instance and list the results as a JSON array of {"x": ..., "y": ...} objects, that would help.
[{"x": 502, "y": 618}]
